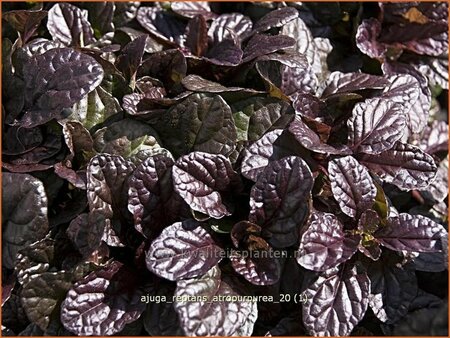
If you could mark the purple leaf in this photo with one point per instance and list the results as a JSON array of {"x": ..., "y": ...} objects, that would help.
[
  {"x": 258, "y": 155},
  {"x": 130, "y": 57},
  {"x": 196, "y": 83},
  {"x": 403, "y": 89},
  {"x": 375, "y": 125},
  {"x": 404, "y": 165},
  {"x": 425, "y": 39},
  {"x": 25, "y": 22},
  {"x": 180, "y": 253},
  {"x": 42, "y": 294},
  {"x": 434, "y": 138},
  {"x": 104, "y": 301},
  {"x": 151, "y": 104},
  {"x": 406, "y": 90},
  {"x": 40, "y": 46},
  {"x": 257, "y": 115},
  {"x": 393, "y": 288},
  {"x": 107, "y": 186},
  {"x": 169, "y": 66},
  {"x": 316, "y": 51},
  {"x": 225, "y": 53},
  {"x": 352, "y": 185},
  {"x": 437, "y": 190},
  {"x": 419, "y": 110},
  {"x": 324, "y": 244},
  {"x": 78, "y": 139},
  {"x": 414, "y": 233},
  {"x": 162, "y": 25},
  {"x": 205, "y": 120},
  {"x": 261, "y": 268},
  {"x": 279, "y": 200},
  {"x": 433, "y": 261},
  {"x": 323, "y": 313},
  {"x": 285, "y": 72},
  {"x": 202, "y": 180},
  {"x": 338, "y": 83},
  {"x": 310, "y": 140},
  {"x": 69, "y": 25},
  {"x": 192, "y": 9},
  {"x": 367, "y": 38},
  {"x": 151, "y": 198},
  {"x": 276, "y": 18},
  {"x": 435, "y": 69},
  {"x": 86, "y": 232},
  {"x": 217, "y": 314},
  {"x": 307, "y": 105},
  {"x": 24, "y": 219},
  {"x": 229, "y": 26},
  {"x": 197, "y": 35},
  {"x": 125, "y": 138},
  {"x": 265, "y": 44},
  {"x": 56, "y": 80}
]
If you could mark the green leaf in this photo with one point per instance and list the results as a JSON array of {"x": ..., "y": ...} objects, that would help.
[
  {"x": 125, "y": 138},
  {"x": 257, "y": 115},
  {"x": 95, "y": 108}
]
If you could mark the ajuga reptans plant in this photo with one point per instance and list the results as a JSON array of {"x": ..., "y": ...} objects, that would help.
[{"x": 166, "y": 164}]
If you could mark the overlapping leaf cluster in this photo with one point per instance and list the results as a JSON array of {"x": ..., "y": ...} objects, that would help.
[{"x": 158, "y": 152}]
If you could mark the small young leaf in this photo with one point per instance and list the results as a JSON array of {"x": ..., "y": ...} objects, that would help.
[{"x": 259, "y": 269}]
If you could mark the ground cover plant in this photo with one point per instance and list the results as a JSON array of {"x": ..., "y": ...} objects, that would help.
[{"x": 227, "y": 169}]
